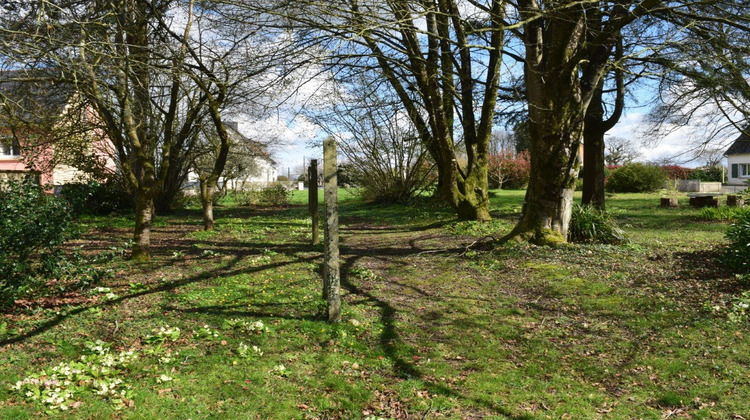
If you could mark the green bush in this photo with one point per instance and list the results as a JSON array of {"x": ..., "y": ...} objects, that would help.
[
  {"x": 33, "y": 226},
  {"x": 591, "y": 225},
  {"x": 95, "y": 198},
  {"x": 708, "y": 174},
  {"x": 737, "y": 256},
  {"x": 721, "y": 214},
  {"x": 636, "y": 177},
  {"x": 273, "y": 196}
]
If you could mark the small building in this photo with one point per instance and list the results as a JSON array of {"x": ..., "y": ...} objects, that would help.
[{"x": 738, "y": 161}]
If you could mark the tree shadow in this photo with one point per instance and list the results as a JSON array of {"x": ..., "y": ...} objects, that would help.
[{"x": 235, "y": 253}]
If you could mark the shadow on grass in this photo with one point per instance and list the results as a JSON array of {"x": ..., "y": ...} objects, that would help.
[{"x": 390, "y": 340}]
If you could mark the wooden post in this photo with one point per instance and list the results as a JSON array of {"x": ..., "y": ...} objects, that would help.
[
  {"x": 312, "y": 199},
  {"x": 331, "y": 278}
]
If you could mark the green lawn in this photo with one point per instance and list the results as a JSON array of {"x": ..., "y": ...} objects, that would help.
[{"x": 431, "y": 329}]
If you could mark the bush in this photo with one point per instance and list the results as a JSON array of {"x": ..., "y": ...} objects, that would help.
[
  {"x": 737, "y": 256},
  {"x": 724, "y": 213},
  {"x": 33, "y": 226},
  {"x": 591, "y": 225},
  {"x": 387, "y": 186},
  {"x": 635, "y": 177},
  {"x": 95, "y": 198},
  {"x": 273, "y": 196},
  {"x": 509, "y": 172},
  {"x": 708, "y": 174},
  {"x": 676, "y": 172}
]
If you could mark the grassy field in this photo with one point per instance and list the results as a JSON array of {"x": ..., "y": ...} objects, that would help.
[{"x": 228, "y": 324}]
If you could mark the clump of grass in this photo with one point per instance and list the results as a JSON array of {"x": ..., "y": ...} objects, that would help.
[
  {"x": 737, "y": 255},
  {"x": 591, "y": 225},
  {"x": 670, "y": 399},
  {"x": 721, "y": 214}
]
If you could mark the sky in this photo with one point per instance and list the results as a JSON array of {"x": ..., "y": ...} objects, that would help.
[{"x": 293, "y": 137}]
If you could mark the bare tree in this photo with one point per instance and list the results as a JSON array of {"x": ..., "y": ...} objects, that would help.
[
  {"x": 441, "y": 58},
  {"x": 240, "y": 162},
  {"x": 379, "y": 142},
  {"x": 620, "y": 151},
  {"x": 151, "y": 69},
  {"x": 704, "y": 75}
]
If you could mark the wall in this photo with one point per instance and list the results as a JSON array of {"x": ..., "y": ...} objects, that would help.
[{"x": 737, "y": 159}]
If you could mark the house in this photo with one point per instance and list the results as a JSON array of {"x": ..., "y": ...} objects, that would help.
[
  {"x": 738, "y": 161},
  {"x": 248, "y": 166},
  {"x": 44, "y": 129}
]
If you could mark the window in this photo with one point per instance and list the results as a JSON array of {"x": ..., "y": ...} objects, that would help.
[
  {"x": 744, "y": 170},
  {"x": 9, "y": 147}
]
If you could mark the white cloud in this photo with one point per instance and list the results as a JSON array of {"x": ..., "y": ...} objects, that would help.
[{"x": 678, "y": 143}]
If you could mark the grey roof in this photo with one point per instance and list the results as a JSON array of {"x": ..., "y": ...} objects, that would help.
[
  {"x": 740, "y": 146},
  {"x": 32, "y": 97},
  {"x": 258, "y": 149}
]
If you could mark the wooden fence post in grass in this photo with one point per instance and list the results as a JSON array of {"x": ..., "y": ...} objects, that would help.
[
  {"x": 331, "y": 277},
  {"x": 312, "y": 199}
]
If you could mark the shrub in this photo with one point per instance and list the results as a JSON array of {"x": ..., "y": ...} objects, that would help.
[
  {"x": 33, "y": 226},
  {"x": 274, "y": 196},
  {"x": 636, "y": 177},
  {"x": 676, "y": 172},
  {"x": 508, "y": 171},
  {"x": 708, "y": 174},
  {"x": 95, "y": 198},
  {"x": 723, "y": 213},
  {"x": 737, "y": 256},
  {"x": 387, "y": 185},
  {"x": 591, "y": 225}
]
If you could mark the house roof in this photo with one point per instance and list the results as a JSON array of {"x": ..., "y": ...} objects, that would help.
[
  {"x": 740, "y": 146},
  {"x": 256, "y": 148},
  {"x": 31, "y": 97}
]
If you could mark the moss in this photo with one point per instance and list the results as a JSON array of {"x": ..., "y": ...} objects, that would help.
[{"x": 549, "y": 237}]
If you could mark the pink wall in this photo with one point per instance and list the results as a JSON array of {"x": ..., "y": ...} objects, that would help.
[{"x": 41, "y": 163}]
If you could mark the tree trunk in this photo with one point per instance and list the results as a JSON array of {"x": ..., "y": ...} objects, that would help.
[
  {"x": 207, "y": 202},
  {"x": 566, "y": 56},
  {"x": 595, "y": 127},
  {"x": 471, "y": 200},
  {"x": 549, "y": 197},
  {"x": 144, "y": 212},
  {"x": 593, "y": 167}
]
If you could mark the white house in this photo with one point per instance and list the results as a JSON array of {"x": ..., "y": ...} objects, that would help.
[
  {"x": 249, "y": 165},
  {"x": 738, "y": 161}
]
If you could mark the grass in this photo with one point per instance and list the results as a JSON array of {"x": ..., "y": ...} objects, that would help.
[{"x": 429, "y": 331}]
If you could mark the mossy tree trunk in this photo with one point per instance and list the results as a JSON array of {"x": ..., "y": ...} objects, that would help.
[
  {"x": 567, "y": 50},
  {"x": 434, "y": 73}
]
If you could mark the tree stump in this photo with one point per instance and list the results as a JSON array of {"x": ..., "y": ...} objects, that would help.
[
  {"x": 735, "y": 201},
  {"x": 669, "y": 202},
  {"x": 704, "y": 201}
]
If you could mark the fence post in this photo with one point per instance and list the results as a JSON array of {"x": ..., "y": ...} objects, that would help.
[
  {"x": 312, "y": 199},
  {"x": 331, "y": 275}
]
